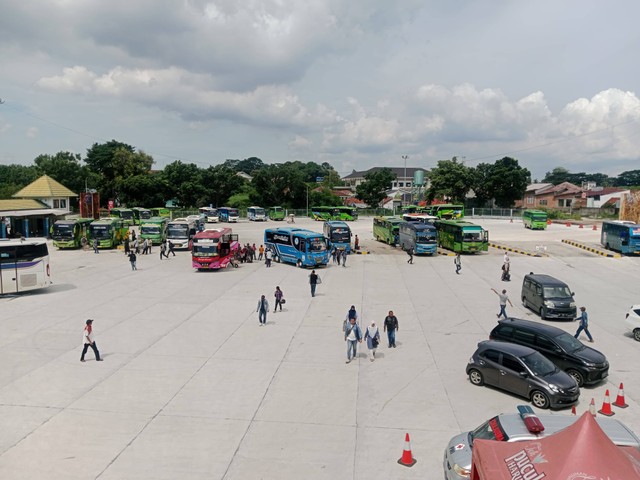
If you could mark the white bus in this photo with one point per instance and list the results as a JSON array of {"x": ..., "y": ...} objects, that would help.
[
  {"x": 24, "y": 265},
  {"x": 180, "y": 232},
  {"x": 211, "y": 214},
  {"x": 256, "y": 214}
]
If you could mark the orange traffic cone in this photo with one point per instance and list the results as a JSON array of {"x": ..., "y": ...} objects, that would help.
[
  {"x": 407, "y": 459},
  {"x": 592, "y": 407},
  {"x": 606, "y": 405},
  {"x": 568, "y": 224},
  {"x": 595, "y": 227},
  {"x": 620, "y": 403},
  {"x": 581, "y": 226},
  {"x": 573, "y": 410}
]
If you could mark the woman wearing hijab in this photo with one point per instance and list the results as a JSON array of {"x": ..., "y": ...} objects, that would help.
[{"x": 372, "y": 336}]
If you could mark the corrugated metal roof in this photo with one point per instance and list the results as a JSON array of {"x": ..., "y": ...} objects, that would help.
[
  {"x": 20, "y": 204},
  {"x": 44, "y": 187}
]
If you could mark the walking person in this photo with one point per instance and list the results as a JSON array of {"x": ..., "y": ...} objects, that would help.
[
  {"x": 278, "y": 294},
  {"x": 352, "y": 335},
  {"x": 338, "y": 255},
  {"x": 163, "y": 250},
  {"x": 314, "y": 280},
  {"x": 506, "y": 260},
  {"x": 503, "y": 303},
  {"x": 88, "y": 340},
  {"x": 351, "y": 314},
  {"x": 260, "y": 252},
  {"x": 133, "y": 235},
  {"x": 95, "y": 246},
  {"x": 334, "y": 252},
  {"x": 262, "y": 309},
  {"x": 391, "y": 327},
  {"x": 410, "y": 253},
  {"x": 357, "y": 243},
  {"x": 171, "y": 249},
  {"x": 584, "y": 324},
  {"x": 268, "y": 256},
  {"x": 372, "y": 336},
  {"x": 344, "y": 258},
  {"x": 127, "y": 248},
  {"x": 132, "y": 259},
  {"x": 135, "y": 245},
  {"x": 253, "y": 250},
  {"x": 145, "y": 247},
  {"x": 458, "y": 263}
]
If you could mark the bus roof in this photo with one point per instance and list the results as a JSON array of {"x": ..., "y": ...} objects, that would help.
[
  {"x": 213, "y": 233},
  {"x": 336, "y": 223},
  {"x": 71, "y": 221},
  {"x": 106, "y": 221},
  {"x": 154, "y": 220},
  {"x": 121, "y": 209},
  {"x": 298, "y": 231},
  {"x": 460, "y": 223},
  {"x": 12, "y": 242},
  {"x": 418, "y": 225}
]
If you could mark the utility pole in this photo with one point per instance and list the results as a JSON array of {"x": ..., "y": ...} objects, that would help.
[{"x": 404, "y": 157}]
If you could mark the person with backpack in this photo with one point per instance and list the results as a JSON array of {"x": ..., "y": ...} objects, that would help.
[
  {"x": 351, "y": 314},
  {"x": 279, "y": 300},
  {"x": 262, "y": 309},
  {"x": 352, "y": 335}
]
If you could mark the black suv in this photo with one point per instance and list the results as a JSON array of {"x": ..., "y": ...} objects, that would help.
[
  {"x": 548, "y": 296},
  {"x": 583, "y": 363}
]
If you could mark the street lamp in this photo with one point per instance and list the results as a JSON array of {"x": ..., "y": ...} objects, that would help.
[{"x": 404, "y": 157}]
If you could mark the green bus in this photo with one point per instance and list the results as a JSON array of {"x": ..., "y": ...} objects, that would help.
[
  {"x": 334, "y": 213},
  {"x": 140, "y": 214},
  {"x": 69, "y": 233},
  {"x": 387, "y": 229},
  {"x": 154, "y": 230},
  {"x": 446, "y": 211},
  {"x": 110, "y": 232},
  {"x": 462, "y": 237},
  {"x": 160, "y": 212},
  {"x": 534, "y": 219},
  {"x": 276, "y": 213},
  {"x": 124, "y": 214}
]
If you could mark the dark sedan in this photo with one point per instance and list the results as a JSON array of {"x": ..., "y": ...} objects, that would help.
[{"x": 524, "y": 372}]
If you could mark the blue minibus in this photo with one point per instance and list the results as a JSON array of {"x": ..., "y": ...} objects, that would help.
[
  {"x": 422, "y": 237},
  {"x": 301, "y": 247},
  {"x": 621, "y": 236},
  {"x": 338, "y": 235}
]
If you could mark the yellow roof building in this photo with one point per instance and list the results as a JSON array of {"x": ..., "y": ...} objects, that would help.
[{"x": 44, "y": 187}]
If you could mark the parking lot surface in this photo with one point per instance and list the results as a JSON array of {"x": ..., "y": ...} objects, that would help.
[{"x": 191, "y": 387}]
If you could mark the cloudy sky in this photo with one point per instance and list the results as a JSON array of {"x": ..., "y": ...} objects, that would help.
[{"x": 356, "y": 83}]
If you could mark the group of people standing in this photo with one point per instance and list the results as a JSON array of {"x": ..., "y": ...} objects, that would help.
[{"x": 339, "y": 255}]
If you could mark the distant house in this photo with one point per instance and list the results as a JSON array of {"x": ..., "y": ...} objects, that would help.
[
  {"x": 529, "y": 199},
  {"x": 547, "y": 195},
  {"x": 33, "y": 209},
  {"x": 600, "y": 197},
  {"x": 356, "y": 178}
]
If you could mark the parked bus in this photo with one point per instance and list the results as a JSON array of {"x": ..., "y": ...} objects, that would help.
[
  {"x": 348, "y": 214},
  {"x": 140, "y": 214},
  {"x": 419, "y": 236},
  {"x": 24, "y": 265},
  {"x": 160, "y": 212},
  {"x": 124, "y": 214},
  {"x": 338, "y": 235},
  {"x": 534, "y": 219},
  {"x": 620, "y": 235},
  {"x": 180, "y": 232},
  {"x": 69, "y": 233},
  {"x": 154, "y": 230},
  {"x": 110, "y": 232},
  {"x": 228, "y": 214},
  {"x": 387, "y": 229},
  {"x": 301, "y": 247},
  {"x": 256, "y": 214},
  {"x": 211, "y": 214},
  {"x": 419, "y": 218},
  {"x": 446, "y": 211},
  {"x": 322, "y": 213},
  {"x": 461, "y": 236},
  {"x": 214, "y": 249},
  {"x": 276, "y": 213}
]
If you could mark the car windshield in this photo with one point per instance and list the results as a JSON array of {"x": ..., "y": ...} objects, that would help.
[
  {"x": 557, "y": 292},
  {"x": 538, "y": 364},
  {"x": 568, "y": 343}
]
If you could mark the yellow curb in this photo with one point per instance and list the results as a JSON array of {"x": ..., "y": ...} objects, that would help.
[
  {"x": 517, "y": 250},
  {"x": 447, "y": 253},
  {"x": 597, "y": 251}
]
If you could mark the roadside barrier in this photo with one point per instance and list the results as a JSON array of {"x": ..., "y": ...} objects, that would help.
[
  {"x": 595, "y": 227},
  {"x": 606, "y": 405},
  {"x": 620, "y": 403},
  {"x": 407, "y": 458}
]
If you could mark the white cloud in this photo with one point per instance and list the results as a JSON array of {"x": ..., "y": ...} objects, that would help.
[{"x": 32, "y": 132}]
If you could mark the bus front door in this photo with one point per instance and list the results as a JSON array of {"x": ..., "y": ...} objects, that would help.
[{"x": 8, "y": 273}]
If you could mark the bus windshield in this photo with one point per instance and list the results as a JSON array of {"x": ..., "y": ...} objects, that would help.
[
  {"x": 63, "y": 231},
  {"x": 150, "y": 229},
  {"x": 259, "y": 211},
  {"x": 472, "y": 235},
  {"x": 27, "y": 251},
  {"x": 340, "y": 235},
  {"x": 178, "y": 230},
  {"x": 426, "y": 236},
  {"x": 126, "y": 214},
  {"x": 101, "y": 231},
  {"x": 205, "y": 249},
  {"x": 144, "y": 214},
  {"x": 316, "y": 244}
]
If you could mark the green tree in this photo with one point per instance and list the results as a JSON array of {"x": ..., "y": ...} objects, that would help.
[
  {"x": 248, "y": 165},
  {"x": 15, "y": 177},
  {"x": 450, "y": 180},
  {"x": 481, "y": 183},
  {"x": 556, "y": 176},
  {"x": 629, "y": 178},
  {"x": 280, "y": 184},
  {"x": 220, "y": 182},
  {"x": 185, "y": 183},
  {"x": 323, "y": 197},
  {"x": 65, "y": 167},
  {"x": 148, "y": 190},
  {"x": 507, "y": 181},
  {"x": 374, "y": 188}
]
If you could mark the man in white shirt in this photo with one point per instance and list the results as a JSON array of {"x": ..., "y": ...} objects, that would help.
[{"x": 88, "y": 340}]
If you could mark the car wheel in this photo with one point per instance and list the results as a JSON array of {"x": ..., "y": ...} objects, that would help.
[
  {"x": 476, "y": 377},
  {"x": 299, "y": 264},
  {"x": 540, "y": 399},
  {"x": 577, "y": 376},
  {"x": 636, "y": 334},
  {"x": 543, "y": 314}
]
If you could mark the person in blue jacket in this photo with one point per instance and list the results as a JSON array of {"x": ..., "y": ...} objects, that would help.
[{"x": 352, "y": 335}]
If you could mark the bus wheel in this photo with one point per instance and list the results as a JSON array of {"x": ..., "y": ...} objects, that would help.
[
  {"x": 299, "y": 264},
  {"x": 276, "y": 258}
]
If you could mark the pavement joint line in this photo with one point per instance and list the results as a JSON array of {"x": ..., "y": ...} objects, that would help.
[
  {"x": 517, "y": 250},
  {"x": 597, "y": 251}
]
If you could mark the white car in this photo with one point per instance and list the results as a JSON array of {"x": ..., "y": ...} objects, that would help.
[{"x": 633, "y": 321}]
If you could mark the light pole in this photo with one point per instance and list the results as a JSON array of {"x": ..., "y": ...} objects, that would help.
[
  {"x": 404, "y": 157},
  {"x": 307, "y": 201}
]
